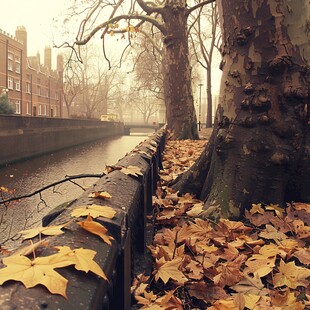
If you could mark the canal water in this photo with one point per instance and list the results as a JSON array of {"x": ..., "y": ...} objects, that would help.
[{"x": 28, "y": 176}]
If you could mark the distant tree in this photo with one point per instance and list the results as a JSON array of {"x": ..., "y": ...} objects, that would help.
[
  {"x": 88, "y": 85},
  {"x": 205, "y": 39},
  {"x": 5, "y": 106},
  {"x": 72, "y": 84}
]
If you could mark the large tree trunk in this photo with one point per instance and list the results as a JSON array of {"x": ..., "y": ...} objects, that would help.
[
  {"x": 180, "y": 111},
  {"x": 260, "y": 144}
]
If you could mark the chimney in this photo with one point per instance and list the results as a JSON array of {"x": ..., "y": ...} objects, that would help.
[
  {"x": 48, "y": 58},
  {"x": 21, "y": 35},
  {"x": 60, "y": 64}
]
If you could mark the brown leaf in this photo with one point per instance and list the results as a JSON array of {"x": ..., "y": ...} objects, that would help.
[
  {"x": 303, "y": 256},
  {"x": 96, "y": 229},
  {"x": 271, "y": 233},
  {"x": 170, "y": 270},
  {"x": 205, "y": 291},
  {"x": 250, "y": 285},
  {"x": 132, "y": 170},
  {"x": 102, "y": 195},
  {"x": 291, "y": 275}
]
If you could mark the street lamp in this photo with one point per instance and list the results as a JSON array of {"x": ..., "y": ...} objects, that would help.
[{"x": 199, "y": 121}]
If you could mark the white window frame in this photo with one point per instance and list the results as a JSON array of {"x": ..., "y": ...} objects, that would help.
[
  {"x": 28, "y": 108},
  {"x": 17, "y": 107},
  {"x": 10, "y": 65},
  {"x": 10, "y": 82},
  {"x": 17, "y": 84},
  {"x": 40, "y": 109},
  {"x": 28, "y": 88}
]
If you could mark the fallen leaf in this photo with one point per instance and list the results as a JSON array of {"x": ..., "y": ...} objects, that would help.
[
  {"x": 276, "y": 208},
  {"x": 132, "y": 170},
  {"x": 170, "y": 270},
  {"x": 103, "y": 195},
  {"x": 82, "y": 259},
  {"x": 94, "y": 211},
  {"x": 291, "y": 275},
  {"x": 47, "y": 230},
  {"x": 257, "y": 208},
  {"x": 96, "y": 229},
  {"x": 250, "y": 285},
  {"x": 33, "y": 272},
  {"x": 303, "y": 256},
  {"x": 148, "y": 298},
  {"x": 271, "y": 233},
  {"x": 206, "y": 292}
]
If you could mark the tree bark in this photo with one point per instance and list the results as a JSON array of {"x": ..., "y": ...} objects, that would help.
[
  {"x": 180, "y": 111},
  {"x": 260, "y": 147}
]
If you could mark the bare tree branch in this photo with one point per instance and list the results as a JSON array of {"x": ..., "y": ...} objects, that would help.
[
  {"x": 39, "y": 191},
  {"x": 146, "y": 18},
  {"x": 197, "y": 6}
]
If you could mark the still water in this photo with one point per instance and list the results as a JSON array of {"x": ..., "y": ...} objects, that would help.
[{"x": 30, "y": 175}]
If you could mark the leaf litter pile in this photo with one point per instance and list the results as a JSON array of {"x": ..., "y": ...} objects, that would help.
[{"x": 259, "y": 263}]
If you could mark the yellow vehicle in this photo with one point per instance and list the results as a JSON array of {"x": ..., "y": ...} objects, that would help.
[{"x": 109, "y": 118}]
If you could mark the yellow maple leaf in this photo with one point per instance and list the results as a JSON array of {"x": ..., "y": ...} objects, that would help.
[
  {"x": 276, "y": 208},
  {"x": 96, "y": 229},
  {"x": 170, "y": 270},
  {"x": 291, "y": 275},
  {"x": 132, "y": 170},
  {"x": 257, "y": 208},
  {"x": 33, "y": 272},
  {"x": 271, "y": 232},
  {"x": 94, "y": 211},
  {"x": 103, "y": 195},
  {"x": 148, "y": 298},
  {"x": 47, "y": 230},
  {"x": 252, "y": 286},
  {"x": 251, "y": 300},
  {"x": 260, "y": 264},
  {"x": 82, "y": 259}
]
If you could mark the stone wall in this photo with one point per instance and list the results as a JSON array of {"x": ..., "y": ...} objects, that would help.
[{"x": 23, "y": 137}]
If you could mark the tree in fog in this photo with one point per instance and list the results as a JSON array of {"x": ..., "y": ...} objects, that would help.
[
  {"x": 88, "y": 85},
  {"x": 146, "y": 91},
  {"x": 72, "y": 84},
  {"x": 205, "y": 37},
  {"x": 170, "y": 18}
]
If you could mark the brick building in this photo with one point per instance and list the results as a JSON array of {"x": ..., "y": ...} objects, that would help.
[{"x": 34, "y": 89}]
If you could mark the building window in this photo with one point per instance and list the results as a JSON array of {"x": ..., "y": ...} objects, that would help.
[
  {"x": 10, "y": 82},
  {"x": 17, "y": 107},
  {"x": 45, "y": 110},
  {"x": 10, "y": 65},
  {"x": 39, "y": 90},
  {"x": 10, "y": 61},
  {"x": 40, "y": 109},
  {"x": 17, "y": 64},
  {"x": 17, "y": 84},
  {"x": 28, "y": 88},
  {"x": 28, "y": 108}
]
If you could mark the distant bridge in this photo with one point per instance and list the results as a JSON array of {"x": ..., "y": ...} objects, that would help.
[{"x": 129, "y": 126}]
